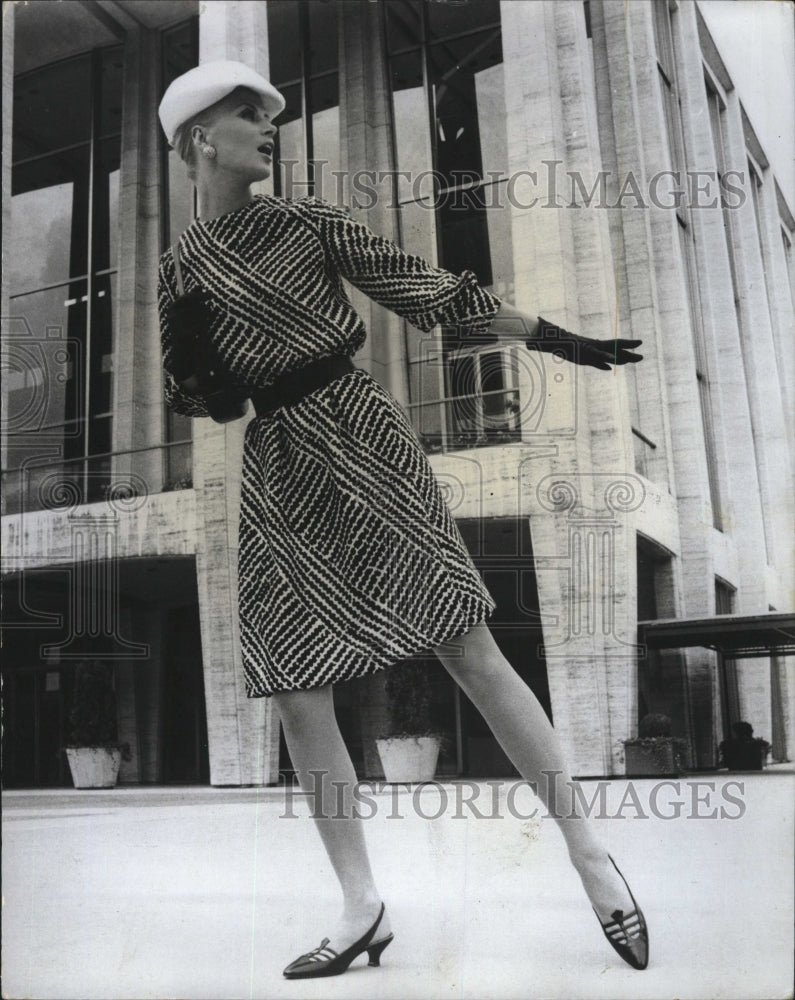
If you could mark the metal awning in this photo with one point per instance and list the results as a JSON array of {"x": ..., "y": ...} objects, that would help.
[{"x": 735, "y": 636}]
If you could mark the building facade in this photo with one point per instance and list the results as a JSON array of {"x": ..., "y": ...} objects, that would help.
[{"x": 592, "y": 162}]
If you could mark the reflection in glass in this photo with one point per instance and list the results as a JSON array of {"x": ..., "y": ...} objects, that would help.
[
  {"x": 52, "y": 108},
  {"x": 106, "y": 205},
  {"x": 49, "y": 215},
  {"x": 446, "y": 20},
  {"x": 448, "y": 93},
  {"x": 114, "y": 178},
  {"x": 284, "y": 42},
  {"x": 455, "y": 71},
  {"x": 102, "y": 343},
  {"x": 110, "y": 91},
  {"x": 303, "y": 53},
  {"x": 54, "y": 359},
  {"x": 291, "y": 147},
  {"x": 323, "y": 46},
  {"x": 177, "y": 459},
  {"x": 181, "y": 197},
  {"x": 412, "y": 136},
  {"x": 64, "y": 213},
  {"x": 180, "y": 51},
  {"x": 326, "y": 137},
  {"x": 403, "y": 25},
  {"x": 100, "y": 435}
]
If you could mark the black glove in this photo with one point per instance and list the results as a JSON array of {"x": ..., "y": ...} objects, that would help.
[
  {"x": 192, "y": 351},
  {"x": 194, "y": 359},
  {"x": 603, "y": 354}
]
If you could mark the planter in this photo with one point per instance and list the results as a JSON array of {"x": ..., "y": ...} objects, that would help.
[
  {"x": 409, "y": 758},
  {"x": 650, "y": 757},
  {"x": 94, "y": 767},
  {"x": 744, "y": 756}
]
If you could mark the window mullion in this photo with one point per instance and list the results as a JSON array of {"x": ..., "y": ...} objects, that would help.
[
  {"x": 92, "y": 180},
  {"x": 306, "y": 94}
]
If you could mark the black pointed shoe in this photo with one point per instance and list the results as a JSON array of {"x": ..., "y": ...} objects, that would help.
[
  {"x": 324, "y": 961},
  {"x": 627, "y": 932}
]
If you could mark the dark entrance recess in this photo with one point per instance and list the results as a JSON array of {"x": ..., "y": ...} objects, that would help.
[
  {"x": 186, "y": 757},
  {"x": 502, "y": 550},
  {"x": 160, "y": 695},
  {"x": 36, "y": 695}
]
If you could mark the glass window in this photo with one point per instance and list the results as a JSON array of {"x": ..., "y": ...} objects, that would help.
[
  {"x": 48, "y": 241},
  {"x": 111, "y": 67},
  {"x": 448, "y": 20},
  {"x": 404, "y": 25},
  {"x": 303, "y": 54},
  {"x": 105, "y": 217},
  {"x": 180, "y": 52},
  {"x": 663, "y": 15},
  {"x": 326, "y": 136},
  {"x": 717, "y": 125},
  {"x": 54, "y": 359},
  {"x": 64, "y": 252},
  {"x": 445, "y": 61},
  {"x": 52, "y": 109},
  {"x": 284, "y": 42},
  {"x": 448, "y": 93},
  {"x": 413, "y": 151}
]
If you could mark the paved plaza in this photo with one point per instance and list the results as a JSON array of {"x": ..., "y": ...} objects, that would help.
[{"x": 209, "y": 893}]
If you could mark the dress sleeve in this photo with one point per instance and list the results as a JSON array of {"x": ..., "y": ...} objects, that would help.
[
  {"x": 402, "y": 282},
  {"x": 189, "y": 404}
]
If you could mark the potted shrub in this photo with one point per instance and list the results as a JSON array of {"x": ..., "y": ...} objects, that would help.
[
  {"x": 94, "y": 752},
  {"x": 409, "y": 750},
  {"x": 743, "y": 751},
  {"x": 654, "y": 751}
]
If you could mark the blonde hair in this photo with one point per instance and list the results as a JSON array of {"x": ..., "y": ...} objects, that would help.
[{"x": 183, "y": 140}]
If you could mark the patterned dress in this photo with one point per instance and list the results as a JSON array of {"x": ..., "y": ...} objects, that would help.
[{"x": 349, "y": 558}]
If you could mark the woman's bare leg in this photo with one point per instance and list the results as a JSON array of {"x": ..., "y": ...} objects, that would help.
[
  {"x": 316, "y": 745},
  {"x": 525, "y": 733}
]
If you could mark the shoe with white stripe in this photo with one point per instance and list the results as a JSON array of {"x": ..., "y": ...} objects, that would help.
[
  {"x": 627, "y": 932},
  {"x": 325, "y": 961}
]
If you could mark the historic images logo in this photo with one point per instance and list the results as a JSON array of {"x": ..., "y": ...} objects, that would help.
[
  {"x": 43, "y": 380},
  {"x": 502, "y": 798}
]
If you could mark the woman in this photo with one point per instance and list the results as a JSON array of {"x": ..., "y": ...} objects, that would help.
[{"x": 349, "y": 557}]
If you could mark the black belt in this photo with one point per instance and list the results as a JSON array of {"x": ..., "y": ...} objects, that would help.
[{"x": 290, "y": 387}]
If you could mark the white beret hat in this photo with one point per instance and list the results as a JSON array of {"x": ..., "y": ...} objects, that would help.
[{"x": 207, "y": 84}]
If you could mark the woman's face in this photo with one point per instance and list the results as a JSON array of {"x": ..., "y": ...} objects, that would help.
[{"x": 242, "y": 133}]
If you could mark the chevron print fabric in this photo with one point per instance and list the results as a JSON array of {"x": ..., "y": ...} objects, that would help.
[{"x": 349, "y": 558}]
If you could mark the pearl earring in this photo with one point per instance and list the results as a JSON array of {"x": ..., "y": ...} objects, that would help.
[{"x": 209, "y": 151}]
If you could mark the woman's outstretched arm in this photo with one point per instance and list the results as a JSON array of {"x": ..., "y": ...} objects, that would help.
[
  {"x": 426, "y": 295},
  {"x": 511, "y": 323}
]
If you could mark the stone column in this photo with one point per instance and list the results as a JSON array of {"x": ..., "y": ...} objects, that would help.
[
  {"x": 138, "y": 402},
  {"x": 654, "y": 275},
  {"x": 243, "y": 733},
  {"x": 366, "y": 138},
  {"x": 562, "y": 270}
]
